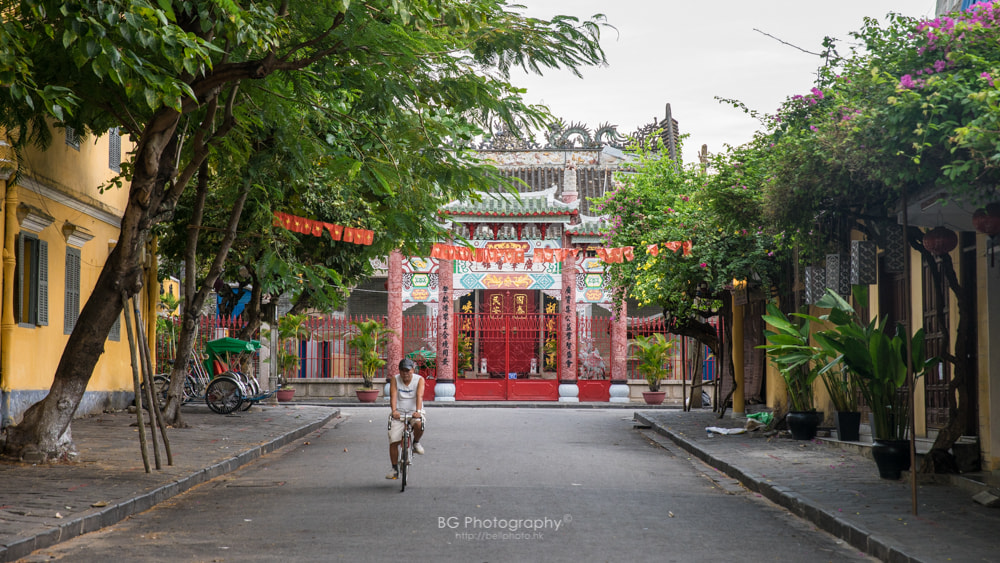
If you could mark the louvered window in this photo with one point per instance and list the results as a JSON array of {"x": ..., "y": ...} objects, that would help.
[
  {"x": 31, "y": 281},
  {"x": 115, "y": 149},
  {"x": 72, "y": 139},
  {"x": 72, "y": 290}
]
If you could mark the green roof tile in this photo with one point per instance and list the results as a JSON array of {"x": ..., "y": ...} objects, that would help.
[{"x": 499, "y": 205}]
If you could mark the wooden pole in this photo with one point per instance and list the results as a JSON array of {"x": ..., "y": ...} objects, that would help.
[
  {"x": 907, "y": 290},
  {"x": 155, "y": 414},
  {"x": 135, "y": 383}
]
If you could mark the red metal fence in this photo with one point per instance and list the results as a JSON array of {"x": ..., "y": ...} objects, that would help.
[
  {"x": 325, "y": 354},
  {"x": 210, "y": 328}
]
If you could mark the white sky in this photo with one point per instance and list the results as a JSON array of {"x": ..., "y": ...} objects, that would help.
[{"x": 686, "y": 53}]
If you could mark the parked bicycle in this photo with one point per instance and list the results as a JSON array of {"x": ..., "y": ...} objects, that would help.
[{"x": 233, "y": 385}]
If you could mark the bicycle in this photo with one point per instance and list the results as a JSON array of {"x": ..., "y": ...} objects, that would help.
[{"x": 405, "y": 449}]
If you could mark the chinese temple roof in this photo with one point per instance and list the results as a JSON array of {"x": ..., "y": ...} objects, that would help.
[{"x": 540, "y": 206}]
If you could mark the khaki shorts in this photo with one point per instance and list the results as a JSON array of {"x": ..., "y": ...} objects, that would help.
[{"x": 396, "y": 428}]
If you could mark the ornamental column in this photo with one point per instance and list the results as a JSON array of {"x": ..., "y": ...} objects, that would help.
[
  {"x": 569, "y": 392},
  {"x": 394, "y": 350},
  {"x": 8, "y": 323},
  {"x": 444, "y": 390},
  {"x": 619, "y": 355}
]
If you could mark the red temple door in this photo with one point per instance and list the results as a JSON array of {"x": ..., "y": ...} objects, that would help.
[{"x": 509, "y": 339}]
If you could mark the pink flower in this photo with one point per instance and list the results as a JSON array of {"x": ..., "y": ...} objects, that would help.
[
  {"x": 814, "y": 128},
  {"x": 940, "y": 65},
  {"x": 817, "y": 92},
  {"x": 703, "y": 265},
  {"x": 906, "y": 81}
]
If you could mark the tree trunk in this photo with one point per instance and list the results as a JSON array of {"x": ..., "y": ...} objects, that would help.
[
  {"x": 195, "y": 300},
  {"x": 45, "y": 425}
]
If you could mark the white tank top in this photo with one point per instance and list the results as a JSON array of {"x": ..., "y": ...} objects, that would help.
[{"x": 406, "y": 395}]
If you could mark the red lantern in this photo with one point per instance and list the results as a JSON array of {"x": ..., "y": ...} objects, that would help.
[
  {"x": 939, "y": 241},
  {"x": 987, "y": 220}
]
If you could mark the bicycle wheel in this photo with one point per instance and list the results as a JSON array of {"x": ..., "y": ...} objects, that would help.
[
  {"x": 161, "y": 385},
  {"x": 253, "y": 391},
  {"x": 404, "y": 459},
  {"x": 190, "y": 388},
  {"x": 223, "y": 395}
]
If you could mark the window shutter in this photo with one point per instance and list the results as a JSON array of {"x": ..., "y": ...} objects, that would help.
[
  {"x": 116, "y": 330},
  {"x": 19, "y": 279},
  {"x": 43, "y": 283},
  {"x": 72, "y": 139},
  {"x": 72, "y": 290},
  {"x": 115, "y": 149}
]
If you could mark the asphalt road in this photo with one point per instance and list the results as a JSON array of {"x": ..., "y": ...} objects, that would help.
[{"x": 496, "y": 484}]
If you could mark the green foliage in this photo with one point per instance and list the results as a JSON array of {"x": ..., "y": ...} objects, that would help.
[
  {"x": 551, "y": 352},
  {"x": 797, "y": 359},
  {"x": 913, "y": 106},
  {"x": 877, "y": 359},
  {"x": 370, "y": 341},
  {"x": 463, "y": 346},
  {"x": 719, "y": 213},
  {"x": 653, "y": 354},
  {"x": 291, "y": 329}
]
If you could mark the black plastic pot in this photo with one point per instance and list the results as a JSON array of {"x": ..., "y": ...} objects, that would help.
[
  {"x": 803, "y": 424},
  {"x": 892, "y": 457},
  {"x": 848, "y": 426}
]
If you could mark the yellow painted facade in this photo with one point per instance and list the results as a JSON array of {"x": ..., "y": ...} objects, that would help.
[
  {"x": 987, "y": 306},
  {"x": 54, "y": 205}
]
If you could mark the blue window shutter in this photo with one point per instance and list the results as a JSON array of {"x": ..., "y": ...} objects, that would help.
[
  {"x": 43, "y": 283},
  {"x": 19, "y": 279},
  {"x": 72, "y": 307}
]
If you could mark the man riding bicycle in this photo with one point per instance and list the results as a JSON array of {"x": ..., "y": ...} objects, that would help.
[{"x": 406, "y": 396}]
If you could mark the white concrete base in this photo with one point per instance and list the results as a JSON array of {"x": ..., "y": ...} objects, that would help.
[
  {"x": 444, "y": 393},
  {"x": 569, "y": 393},
  {"x": 619, "y": 393}
]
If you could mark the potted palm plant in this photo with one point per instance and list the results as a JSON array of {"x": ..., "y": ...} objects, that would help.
[
  {"x": 370, "y": 341},
  {"x": 879, "y": 362},
  {"x": 841, "y": 386},
  {"x": 800, "y": 363},
  {"x": 653, "y": 354},
  {"x": 291, "y": 329}
]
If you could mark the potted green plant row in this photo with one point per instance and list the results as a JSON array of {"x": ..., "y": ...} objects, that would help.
[
  {"x": 799, "y": 363},
  {"x": 878, "y": 361},
  {"x": 652, "y": 353},
  {"x": 370, "y": 341}
]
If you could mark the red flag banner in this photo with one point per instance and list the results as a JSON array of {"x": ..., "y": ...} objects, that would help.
[{"x": 316, "y": 228}]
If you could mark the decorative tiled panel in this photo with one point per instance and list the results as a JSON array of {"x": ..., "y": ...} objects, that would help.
[
  {"x": 470, "y": 281},
  {"x": 815, "y": 283},
  {"x": 864, "y": 262},
  {"x": 837, "y": 274},
  {"x": 544, "y": 281},
  {"x": 893, "y": 251}
]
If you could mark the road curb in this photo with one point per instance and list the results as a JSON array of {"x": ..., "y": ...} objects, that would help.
[
  {"x": 856, "y": 535},
  {"x": 114, "y": 513}
]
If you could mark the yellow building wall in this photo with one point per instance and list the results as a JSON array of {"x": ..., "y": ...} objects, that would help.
[{"x": 65, "y": 184}]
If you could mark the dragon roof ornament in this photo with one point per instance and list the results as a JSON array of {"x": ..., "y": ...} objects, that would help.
[{"x": 561, "y": 135}]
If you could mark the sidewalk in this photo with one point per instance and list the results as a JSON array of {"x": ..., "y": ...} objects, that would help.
[
  {"x": 44, "y": 505},
  {"x": 838, "y": 489}
]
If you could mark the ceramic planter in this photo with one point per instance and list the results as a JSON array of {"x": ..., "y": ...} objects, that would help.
[
  {"x": 803, "y": 424},
  {"x": 654, "y": 397}
]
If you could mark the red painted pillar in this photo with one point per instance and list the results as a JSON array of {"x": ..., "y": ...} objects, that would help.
[
  {"x": 394, "y": 352},
  {"x": 444, "y": 389},
  {"x": 568, "y": 390},
  {"x": 619, "y": 355}
]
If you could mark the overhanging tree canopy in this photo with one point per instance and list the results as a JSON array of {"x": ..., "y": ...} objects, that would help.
[{"x": 187, "y": 79}]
